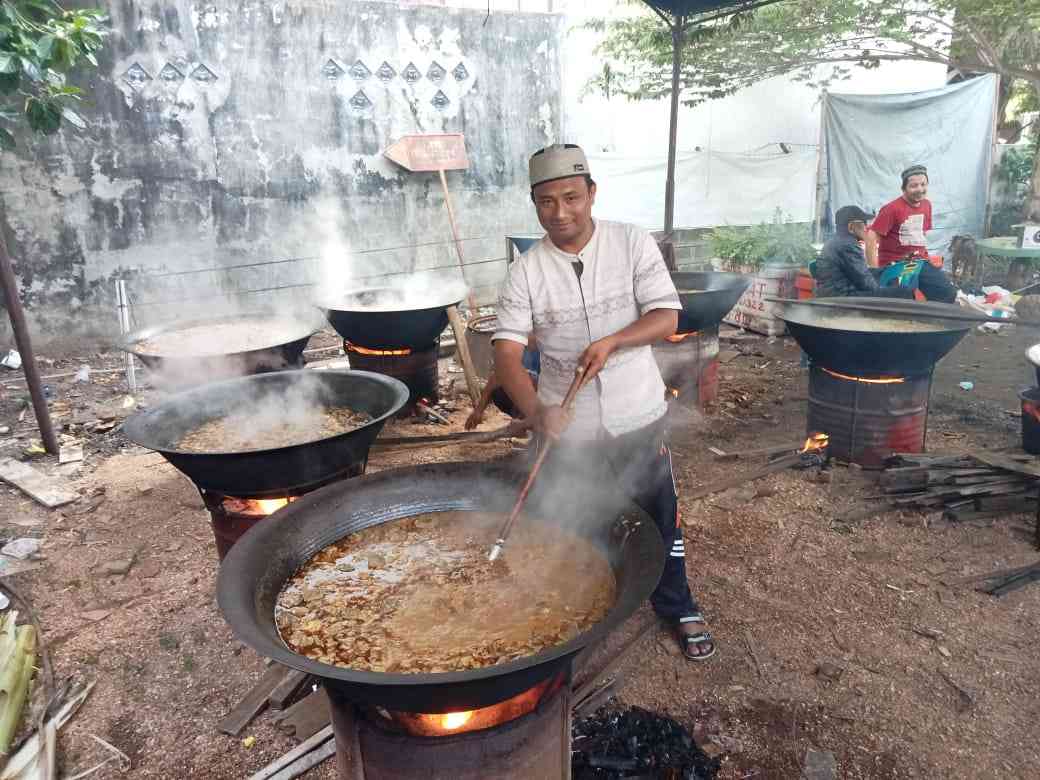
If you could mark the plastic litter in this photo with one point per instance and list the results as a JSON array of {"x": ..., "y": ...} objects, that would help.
[
  {"x": 82, "y": 375},
  {"x": 21, "y": 548},
  {"x": 11, "y": 360},
  {"x": 967, "y": 385}
]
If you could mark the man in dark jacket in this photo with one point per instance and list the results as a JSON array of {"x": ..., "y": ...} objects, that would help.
[{"x": 842, "y": 267}]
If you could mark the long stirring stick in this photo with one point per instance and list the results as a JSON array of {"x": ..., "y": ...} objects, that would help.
[{"x": 503, "y": 534}]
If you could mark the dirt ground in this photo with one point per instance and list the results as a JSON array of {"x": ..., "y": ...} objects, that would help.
[{"x": 789, "y": 578}]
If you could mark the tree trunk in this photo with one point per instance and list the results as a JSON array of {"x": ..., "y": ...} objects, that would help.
[{"x": 1032, "y": 208}]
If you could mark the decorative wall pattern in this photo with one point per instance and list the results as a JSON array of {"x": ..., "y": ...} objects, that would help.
[{"x": 227, "y": 131}]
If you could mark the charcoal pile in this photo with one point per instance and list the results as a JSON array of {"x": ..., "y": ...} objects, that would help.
[
  {"x": 635, "y": 743},
  {"x": 966, "y": 487}
]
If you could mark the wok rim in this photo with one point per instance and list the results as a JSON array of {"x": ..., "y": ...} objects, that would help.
[
  {"x": 232, "y": 590},
  {"x": 734, "y": 280},
  {"x": 943, "y": 326},
  {"x": 401, "y": 398},
  {"x": 130, "y": 340},
  {"x": 452, "y": 297}
]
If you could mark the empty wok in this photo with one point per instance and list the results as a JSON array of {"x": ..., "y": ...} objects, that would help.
[
  {"x": 276, "y": 472},
  {"x": 707, "y": 297}
]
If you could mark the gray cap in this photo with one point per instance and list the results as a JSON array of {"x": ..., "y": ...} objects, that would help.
[{"x": 558, "y": 161}]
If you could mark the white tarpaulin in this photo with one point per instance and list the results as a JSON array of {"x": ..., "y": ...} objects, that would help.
[
  {"x": 710, "y": 188},
  {"x": 871, "y": 139}
]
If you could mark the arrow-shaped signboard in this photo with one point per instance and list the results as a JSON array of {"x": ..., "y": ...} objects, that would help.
[{"x": 427, "y": 153}]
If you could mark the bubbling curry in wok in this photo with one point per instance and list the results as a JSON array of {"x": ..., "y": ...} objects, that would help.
[{"x": 419, "y": 595}]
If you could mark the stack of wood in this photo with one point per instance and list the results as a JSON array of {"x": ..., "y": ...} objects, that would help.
[{"x": 966, "y": 487}]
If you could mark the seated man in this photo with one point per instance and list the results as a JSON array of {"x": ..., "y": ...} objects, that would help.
[{"x": 842, "y": 268}]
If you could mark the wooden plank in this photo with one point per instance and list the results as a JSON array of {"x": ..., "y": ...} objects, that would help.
[
  {"x": 325, "y": 751},
  {"x": 1009, "y": 464},
  {"x": 46, "y": 490},
  {"x": 293, "y": 682},
  {"x": 775, "y": 450},
  {"x": 254, "y": 702},
  {"x": 297, "y": 752},
  {"x": 306, "y": 717},
  {"x": 779, "y": 464}
]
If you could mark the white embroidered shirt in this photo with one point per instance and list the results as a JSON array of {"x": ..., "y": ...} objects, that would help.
[{"x": 623, "y": 277}]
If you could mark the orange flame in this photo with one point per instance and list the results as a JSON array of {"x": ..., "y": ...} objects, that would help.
[
  {"x": 450, "y": 721},
  {"x": 376, "y": 352},
  {"x": 680, "y": 337},
  {"x": 674, "y": 392},
  {"x": 888, "y": 380},
  {"x": 271, "y": 505},
  {"x": 818, "y": 441}
]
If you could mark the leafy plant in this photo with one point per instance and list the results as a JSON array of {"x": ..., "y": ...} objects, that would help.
[
  {"x": 1011, "y": 183},
  {"x": 771, "y": 243},
  {"x": 40, "y": 43}
]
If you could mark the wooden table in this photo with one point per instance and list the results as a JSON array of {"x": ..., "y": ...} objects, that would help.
[{"x": 1022, "y": 260}]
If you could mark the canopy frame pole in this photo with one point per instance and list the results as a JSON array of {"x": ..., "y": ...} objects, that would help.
[{"x": 678, "y": 26}]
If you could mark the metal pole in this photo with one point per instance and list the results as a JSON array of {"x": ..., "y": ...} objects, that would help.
[
  {"x": 24, "y": 344},
  {"x": 673, "y": 127},
  {"x": 818, "y": 197},
  {"x": 123, "y": 303}
]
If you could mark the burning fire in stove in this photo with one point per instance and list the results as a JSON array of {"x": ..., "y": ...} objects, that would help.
[
  {"x": 348, "y": 347},
  {"x": 884, "y": 380},
  {"x": 447, "y": 723},
  {"x": 818, "y": 441},
  {"x": 254, "y": 506},
  {"x": 678, "y": 338}
]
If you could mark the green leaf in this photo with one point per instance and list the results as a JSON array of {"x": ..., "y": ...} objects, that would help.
[
  {"x": 8, "y": 62},
  {"x": 6, "y": 140},
  {"x": 74, "y": 119},
  {"x": 9, "y": 82},
  {"x": 44, "y": 47},
  {"x": 44, "y": 116}
]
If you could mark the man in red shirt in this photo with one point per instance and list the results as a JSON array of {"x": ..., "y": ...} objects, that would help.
[{"x": 899, "y": 229}]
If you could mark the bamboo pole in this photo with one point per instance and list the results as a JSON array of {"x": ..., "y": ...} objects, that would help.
[{"x": 458, "y": 327}]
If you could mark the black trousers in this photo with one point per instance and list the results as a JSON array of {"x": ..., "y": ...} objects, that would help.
[{"x": 640, "y": 463}]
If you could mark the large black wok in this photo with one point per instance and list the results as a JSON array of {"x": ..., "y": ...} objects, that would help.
[
  {"x": 873, "y": 343},
  {"x": 274, "y": 472},
  {"x": 392, "y": 318},
  {"x": 253, "y": 573},
  {"x": 278, "y": 343},
  {"x": 707, "y": 297}
]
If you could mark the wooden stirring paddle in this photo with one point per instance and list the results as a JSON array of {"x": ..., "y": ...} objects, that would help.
[{"x": 576, "y": 384}]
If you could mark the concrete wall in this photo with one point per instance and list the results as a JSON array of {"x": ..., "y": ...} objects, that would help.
[{"x": 230, "y": 134}]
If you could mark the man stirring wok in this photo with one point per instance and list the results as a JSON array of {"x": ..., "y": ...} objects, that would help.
[{"x": 595, "y": 295}]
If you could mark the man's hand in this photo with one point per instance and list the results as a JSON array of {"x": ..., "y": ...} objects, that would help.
[{"x": 595, "y": 356}]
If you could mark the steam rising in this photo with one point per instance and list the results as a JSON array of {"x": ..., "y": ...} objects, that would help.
[{"x": 271, "y": 407}]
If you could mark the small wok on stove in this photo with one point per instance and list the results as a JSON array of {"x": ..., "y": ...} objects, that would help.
[
  {"x": 866, "y": 343},
  {"x": 282, "y": 338},
  {"x": 389, "y": 317},
  {"x": 278, "y": 472},
  {"x": 257, "y": 567},
  {"x": 707, "y": 297}
]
